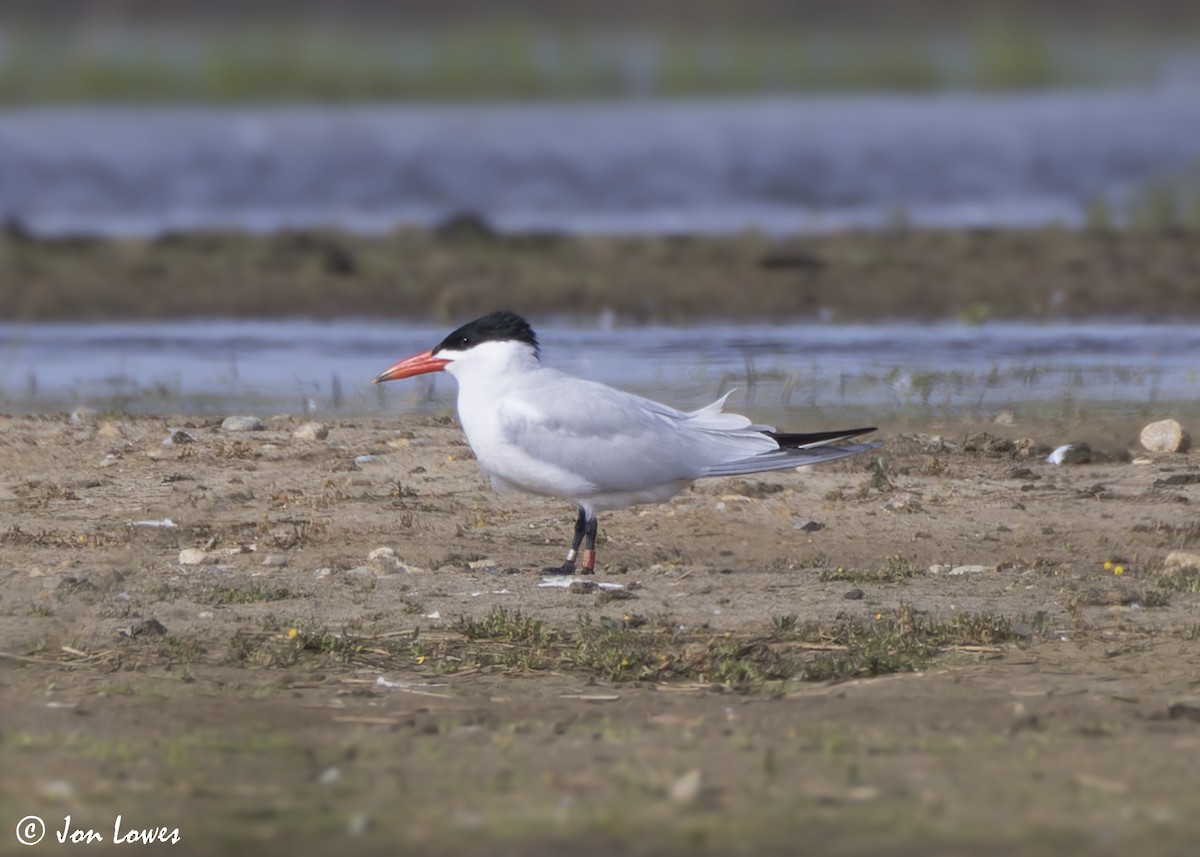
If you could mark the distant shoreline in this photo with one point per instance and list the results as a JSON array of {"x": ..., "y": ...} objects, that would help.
[{"x": 465, "y": 269}]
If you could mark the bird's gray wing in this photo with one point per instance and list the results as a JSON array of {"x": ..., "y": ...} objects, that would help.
[{"x": 615, "y": 441}]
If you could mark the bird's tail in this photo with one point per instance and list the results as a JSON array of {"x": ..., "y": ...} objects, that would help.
[{"x": 797, "y": 450}]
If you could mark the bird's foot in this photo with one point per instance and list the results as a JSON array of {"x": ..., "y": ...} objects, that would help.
[
  {"x": 589, "y": 562},
  {"x": 567, "y": 567}
]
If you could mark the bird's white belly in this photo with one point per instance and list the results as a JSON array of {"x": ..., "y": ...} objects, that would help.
[{"x": 509, "y": 464}]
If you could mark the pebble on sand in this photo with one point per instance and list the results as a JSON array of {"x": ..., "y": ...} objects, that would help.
[
  {"x": 384, "y": 561},
  {"x": 688, "y": 787},
  {"x": 193, "y": 556},
  {"x": 311, "y": 431},
  {"x": 278, "y": 560},
  {"x": 1165, "y": 436},
  {"x": 178, "y": 437},
  {"x": 242, "y": 424}
]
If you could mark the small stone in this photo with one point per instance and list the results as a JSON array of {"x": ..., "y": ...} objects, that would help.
[
  {"x": 311, "y": 431},
  {"x": 1178, "y": 479},
  {"x": 109, "y": 460},
  {"x": 242, "y": 424},
  {"x": 384, "y": 561},
  {"x": 853, "y": 595},
  {"x": 937, "y": 569},
  {"x": 1071, "y": 453},
  {"x": 486, "y": 565},
  {"x": 1027, "y": 447},
  {"x": 322, "y": 573},
  {"x": 82, "y": 416},
  {"x": 366, "y": 459},
  {"x": 993, "y": 447},
  {"x": 276, "y": 560},
  {"x": 329, "y": 776},
  {"x": 57, "y": 790},
  {"x": 178, "y": 438},
  {"x": 581, "y": 587},
  {"x": 968, "y": 569},
  {"x": 193, "y": 556},
  {"x": 1165, "y": 436},
  {"x": 808, "y": 526},
  {"x": 112, "y": 431},
  {"x": 388, "y": 565},
  {"x": 907, "y": 503},
  {"x": 1005, "y": 418},
  {"x": 1177, "y": 560},
  {"x": 359, "y": 824},
  {"x": 606, "y": 596},
  {"x": 152, "y": 627},
  {"x": 362, "y": 571},
  {"x": 688, "y": 787},
  {"x": 1185, "y": 709},
  {"x": 755, "y": 489}
]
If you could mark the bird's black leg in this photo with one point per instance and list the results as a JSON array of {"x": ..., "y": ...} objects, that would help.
[
  {"x": 568, "y": 567},
  {"x": 589, "y": 551}
]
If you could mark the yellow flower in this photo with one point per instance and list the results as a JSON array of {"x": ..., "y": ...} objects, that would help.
[
  {"x": 421, "y": 659},
  {"x": 292, "y": 633},
  {"x": 1108, "y": 566},
  {"x": 878, "y": 616},
  {"x": 1118, "y": 569}
]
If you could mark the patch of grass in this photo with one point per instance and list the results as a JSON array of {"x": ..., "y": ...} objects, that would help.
[
  {"x": 511, "y": 58},
  {"x": 252, "y": 593},
  {"x": 628, "y": 650},
  {"x": 1168, "y": 534},
  {"x": 897, "y": 570},
  {"x": 280, "y": 647},
  {"x": 1180, "y": 580},
  {"x": 784, "y": 624},
  {"x": 164, "y": 592},
  {"x": 900, "y": 642},
  {"x": 1115, "y": 595},
  {"x": 502, "y": 625},
  {"x": 905, "y": 641}
]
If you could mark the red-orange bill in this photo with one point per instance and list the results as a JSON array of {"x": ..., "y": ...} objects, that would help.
[{"x": 418, "y": 364}]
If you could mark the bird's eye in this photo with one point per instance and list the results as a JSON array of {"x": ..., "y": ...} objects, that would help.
[{"x": 464, "y": 340}]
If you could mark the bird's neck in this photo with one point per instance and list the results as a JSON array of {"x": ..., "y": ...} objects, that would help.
[{"x": 502, "y": 368}]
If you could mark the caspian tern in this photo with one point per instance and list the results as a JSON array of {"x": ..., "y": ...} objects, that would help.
[{"x": 541, "y": 431}]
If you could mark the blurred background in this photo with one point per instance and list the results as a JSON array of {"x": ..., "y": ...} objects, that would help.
[{"x": 186, "y": 187}]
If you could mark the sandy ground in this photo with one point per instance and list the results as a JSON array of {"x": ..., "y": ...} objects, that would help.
[{"x": 292, "y": 693}]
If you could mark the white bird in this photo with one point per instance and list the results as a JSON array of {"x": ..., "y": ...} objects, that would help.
[{"x": 541, "y": 431}]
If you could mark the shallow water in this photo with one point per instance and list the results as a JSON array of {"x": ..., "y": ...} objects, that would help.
[
  {"x": 878, "y": 371},
  {"x": 780, "y": 165}
]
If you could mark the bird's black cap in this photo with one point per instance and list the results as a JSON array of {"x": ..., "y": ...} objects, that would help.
[{"x": 500, "y": 326}]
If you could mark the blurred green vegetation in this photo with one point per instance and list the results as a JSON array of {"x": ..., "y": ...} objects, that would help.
[{"x": 106, "y": 60}]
